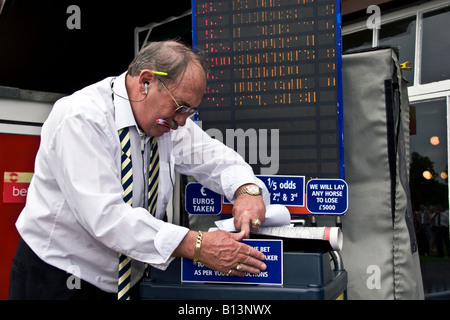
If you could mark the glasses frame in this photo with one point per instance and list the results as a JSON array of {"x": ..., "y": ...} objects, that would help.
[{"x": 180, "y": 108}]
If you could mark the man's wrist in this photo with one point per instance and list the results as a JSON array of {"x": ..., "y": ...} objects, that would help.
[
  {"x": 250, "y": 188},
  {"x": 185, "y": 248},
  {"x": 198, "y": 245}
]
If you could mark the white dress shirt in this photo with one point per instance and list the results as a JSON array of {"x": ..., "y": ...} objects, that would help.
[{"x": 75, "y": 217}]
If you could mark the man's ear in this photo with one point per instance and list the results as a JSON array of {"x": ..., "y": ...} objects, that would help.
[{"x": 145, "y": 79}]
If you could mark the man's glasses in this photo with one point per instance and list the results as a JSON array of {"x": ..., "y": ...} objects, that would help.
[{"x": 181, "y": 109}]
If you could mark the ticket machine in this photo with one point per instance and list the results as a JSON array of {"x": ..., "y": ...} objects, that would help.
[{"x": 305, "y": 276}]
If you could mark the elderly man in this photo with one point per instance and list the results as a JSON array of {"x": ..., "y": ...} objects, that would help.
[{"x": 104, "y": 175}]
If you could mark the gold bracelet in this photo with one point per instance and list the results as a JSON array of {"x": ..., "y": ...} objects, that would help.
[{"x": 198, "y": 245}]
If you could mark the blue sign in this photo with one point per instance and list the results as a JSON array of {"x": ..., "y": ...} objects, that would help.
[
  {"x": 285, "y": 190},
  {"x": 273, "y": 275},
  {"x": 327, "y": 196},
  {"x": 200, "y": 200}
]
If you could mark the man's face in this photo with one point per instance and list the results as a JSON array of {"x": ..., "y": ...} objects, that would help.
[{"x": 161, "y": 103}]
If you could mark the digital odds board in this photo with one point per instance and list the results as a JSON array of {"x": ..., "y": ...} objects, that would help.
[{"x": 274, "y": 89}]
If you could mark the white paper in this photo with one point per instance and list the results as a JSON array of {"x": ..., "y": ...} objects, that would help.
[
  {"x": 331, "y": 234},
  {"x": 277, "y": 215},
  {"x": 278, "y": 224}
]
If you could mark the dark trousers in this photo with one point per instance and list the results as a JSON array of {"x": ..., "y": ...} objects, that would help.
[{"x": 33, "y": 279}]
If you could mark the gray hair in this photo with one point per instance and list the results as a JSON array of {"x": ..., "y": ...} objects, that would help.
[{"x": 170, "y": 56}]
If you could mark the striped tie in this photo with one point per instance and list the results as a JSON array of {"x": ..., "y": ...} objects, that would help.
[
  {"x": 127, "y": 183},
  {"x": 153, "y": 176}
]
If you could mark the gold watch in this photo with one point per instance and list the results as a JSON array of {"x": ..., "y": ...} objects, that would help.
[{"x": 251, "y": 189}]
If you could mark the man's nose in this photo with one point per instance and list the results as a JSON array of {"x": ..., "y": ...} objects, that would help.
[{"x": 180, "y": 118}]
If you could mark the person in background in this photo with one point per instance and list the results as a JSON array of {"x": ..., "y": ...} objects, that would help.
[
  {"x": 423, "y": 230},
  {"x": 440, "y": 229}
]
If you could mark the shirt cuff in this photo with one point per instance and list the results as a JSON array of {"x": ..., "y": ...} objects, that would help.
[
  {"x": 167, "y": 240},
  {"x": 232, "y": 182}
]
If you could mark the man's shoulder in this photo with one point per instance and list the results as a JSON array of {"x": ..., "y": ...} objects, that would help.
[{"x": 94, "y": 100}]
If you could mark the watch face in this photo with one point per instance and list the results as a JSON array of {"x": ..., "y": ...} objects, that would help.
[{"x": 253, "y": 189}]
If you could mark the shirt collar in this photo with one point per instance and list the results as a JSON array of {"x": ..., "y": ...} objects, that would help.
[{"x": 123, "y": 113}]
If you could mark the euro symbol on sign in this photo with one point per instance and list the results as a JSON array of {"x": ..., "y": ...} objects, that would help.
[{"x": 203, "y": 191}]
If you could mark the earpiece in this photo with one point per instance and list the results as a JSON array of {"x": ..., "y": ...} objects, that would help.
[{"x": 126, "y": 98}]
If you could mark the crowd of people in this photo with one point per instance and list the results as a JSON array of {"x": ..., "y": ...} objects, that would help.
[{"x": 432, "y": 230}]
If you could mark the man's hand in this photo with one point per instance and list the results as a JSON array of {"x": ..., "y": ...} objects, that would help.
[
  {"x": 223, "y": 251},
  {"x": 247, "y": 209}
]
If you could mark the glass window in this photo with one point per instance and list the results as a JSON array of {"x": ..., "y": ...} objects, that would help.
[
  {"x": 436, "y": 46},
  {"x": 429, "y": 152},
  {"x": 401, "y": 33},
  {"x": 358, "y": 40},
  {"x": 429, "y": 191}
]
